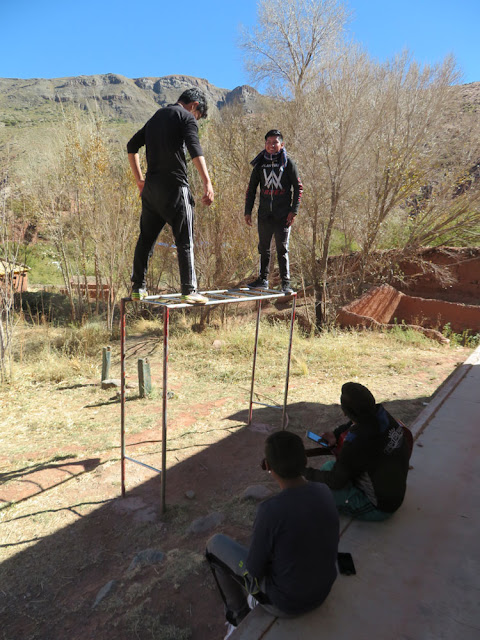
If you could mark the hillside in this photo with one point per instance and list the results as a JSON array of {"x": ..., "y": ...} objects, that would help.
[{"x": 35, "y": 101}]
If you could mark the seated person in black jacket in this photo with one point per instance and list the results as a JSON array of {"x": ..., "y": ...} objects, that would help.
[
  {"x": 289, "y": 567},
  {"x": 368, "y": 478}
]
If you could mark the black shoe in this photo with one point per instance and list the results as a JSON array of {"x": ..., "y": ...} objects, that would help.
[
  {"x": 259, "y": 283},
  {"x": 287, "y": 289}
]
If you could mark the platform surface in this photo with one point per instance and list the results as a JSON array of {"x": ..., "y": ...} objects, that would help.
[{"x": 220, "y": 296}]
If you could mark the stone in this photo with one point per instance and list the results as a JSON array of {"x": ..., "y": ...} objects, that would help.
[
  {"x": 125, "y": 505},
  {"x": 146, "y": 558},
  {"x": 111, "y": 383},
  {"x": 256, "y": 492},
  {"x": 206, "y": 523},
  {"x": 104, "y": 592},
  {"x": 145, "y": 515}
]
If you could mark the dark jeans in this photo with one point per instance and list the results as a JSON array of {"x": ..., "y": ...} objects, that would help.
[
  {"x": 268, "y": 227},
  {"x": 161, "y": 206}
]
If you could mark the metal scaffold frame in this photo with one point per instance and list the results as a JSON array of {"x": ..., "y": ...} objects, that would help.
[{"x": 173, "y": 301}]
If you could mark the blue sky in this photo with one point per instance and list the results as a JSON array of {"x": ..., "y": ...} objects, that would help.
[{"x": 58, "y": 38}]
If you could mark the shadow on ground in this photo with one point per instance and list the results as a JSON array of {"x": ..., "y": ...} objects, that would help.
[{"x": 48, "y": 591}]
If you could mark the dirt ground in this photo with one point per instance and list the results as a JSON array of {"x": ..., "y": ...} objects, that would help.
[{"x": 66, "y": 531}]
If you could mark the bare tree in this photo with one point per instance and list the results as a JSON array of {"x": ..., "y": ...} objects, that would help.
[
  {"x": 10, "y": 237},
  {"x": 402, "y": 154},
  {"x": 291, "y": 41}
]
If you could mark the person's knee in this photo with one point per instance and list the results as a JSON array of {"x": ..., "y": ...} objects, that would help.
[{"x": 214, "y": 543}]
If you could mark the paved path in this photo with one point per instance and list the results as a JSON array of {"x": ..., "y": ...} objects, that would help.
[{"x": 418, "y": 574}]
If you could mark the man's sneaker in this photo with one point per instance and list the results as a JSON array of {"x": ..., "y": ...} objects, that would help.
[
  {"x": 139, "y": 294},
  {"x": 287, "y": 289},
  {"x": 259, "y": 283},
  {"x": 252, "y": 602},
  {"x": 194, "y": 298}
]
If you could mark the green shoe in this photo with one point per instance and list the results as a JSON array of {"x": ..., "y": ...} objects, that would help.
[
  {"x": 139, "y": 294},
  {"x": 194, "y": 298}
]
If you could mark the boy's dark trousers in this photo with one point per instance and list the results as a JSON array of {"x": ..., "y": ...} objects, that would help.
[
  {"x": 269, "y": 226},
  {"x": 163, "y": 205}
]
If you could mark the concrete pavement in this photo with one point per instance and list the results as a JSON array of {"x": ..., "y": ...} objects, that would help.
[{"x": 418, "y": 574}]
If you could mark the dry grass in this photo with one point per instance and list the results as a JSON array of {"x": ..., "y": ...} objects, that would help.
[{"x": 48, "y": 421}]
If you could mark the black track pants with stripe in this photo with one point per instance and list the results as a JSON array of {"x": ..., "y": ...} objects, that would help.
[{"x": 161, "y": 206}]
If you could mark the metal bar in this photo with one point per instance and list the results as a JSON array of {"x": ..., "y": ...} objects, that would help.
[
  {"x": 287, "y": 377},
  {"x": 144, "y": 464},
  {"x": 122, "y": 391},
  {"x": 166, "y": 317},
  {"x": 272, "y": 406},
  {"x": 259, "y": 307}
]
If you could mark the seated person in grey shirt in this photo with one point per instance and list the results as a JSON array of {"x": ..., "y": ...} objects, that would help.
[{"x": 289, "y": 567}]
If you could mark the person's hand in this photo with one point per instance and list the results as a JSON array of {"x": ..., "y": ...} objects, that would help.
[
  {"x": 329, "y": 436},
  {"x": 140, "y": 185},
  {"x": 290, "y": 219},
  {"x": 248, "y": 220},
  {"x": 208, "y": 195}
]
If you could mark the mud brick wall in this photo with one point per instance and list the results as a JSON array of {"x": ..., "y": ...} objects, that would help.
[
  {"x": 379, "y": 303},
  {"x": 385, "y": 305},
  {"x": 437, "y": 313}
]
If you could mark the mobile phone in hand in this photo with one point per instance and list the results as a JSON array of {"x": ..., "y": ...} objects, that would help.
[
  {"x": 318, "y": 439},
  {"x": 345, "y": 564}
]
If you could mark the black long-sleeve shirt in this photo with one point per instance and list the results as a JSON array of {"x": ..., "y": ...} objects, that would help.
[
  {"x": 294, "y": 547},
  {"x": 166, "y": 135},
  {"x": 374, "y": 457},
  {"x": 280, "y": 190}
]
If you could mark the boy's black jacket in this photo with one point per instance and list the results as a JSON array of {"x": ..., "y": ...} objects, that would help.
[{"x": 280, "y": 191}]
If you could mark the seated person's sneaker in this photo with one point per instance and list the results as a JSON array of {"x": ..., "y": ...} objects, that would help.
[
  {"x": 259, "y": 283},
  {"x": 138, "y": 294},
  {"x": 230, "y": 630},
  {"x": 287, "y": 289},
  {"x": 194, "y": 298},
  {"x": 252, "y": 602}
]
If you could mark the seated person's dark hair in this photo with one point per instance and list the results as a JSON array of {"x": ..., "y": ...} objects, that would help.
[
  {"x": 285, "y": 454},
  {"x": 274, "y": 132},
  {"x": 195, "y": 95},
  {"x": 357, "y": 402}
]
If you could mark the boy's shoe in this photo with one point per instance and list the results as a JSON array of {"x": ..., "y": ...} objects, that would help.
[
  {"x": 230, "y": 630},
  {"x": 252, "y": 602},
  {"x": 194, "y": 298},
  {"x": 287, "y": 289},
  {"x": 259, "y": 283},
  {"x": 139, "y": 294}
]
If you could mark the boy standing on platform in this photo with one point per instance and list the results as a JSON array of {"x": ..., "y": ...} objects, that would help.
[
  {"x": 280, "y": 193},
  {"x": 165, "y": 192}
]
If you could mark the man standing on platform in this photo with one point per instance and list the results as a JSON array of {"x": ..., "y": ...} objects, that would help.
[
  {"x": 280, "y": 193},
  {"x": 165, "y": 192}
]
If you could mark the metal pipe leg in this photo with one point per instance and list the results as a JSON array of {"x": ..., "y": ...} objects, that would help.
[
  {"x": 122, "y": 392},
  {"x": 292, "y": 321},
  {"x": 166, "y": 318},
  {"x": 250, "y": 410}
]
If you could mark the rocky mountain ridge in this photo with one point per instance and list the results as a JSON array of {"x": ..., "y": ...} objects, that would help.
[{"x": 117, "y": 97}]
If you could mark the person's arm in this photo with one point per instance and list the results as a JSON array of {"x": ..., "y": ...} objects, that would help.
[
  {"x": 297, "y": 192},
  {"x": 250, "y": 195},
  {"x": 260, "y": 551},
  {"x": 347, "y": 467},
  {"x": 134, "y": 160},
  {"x": 133, "y": 145},
  {"x": 201, "y": 166}
]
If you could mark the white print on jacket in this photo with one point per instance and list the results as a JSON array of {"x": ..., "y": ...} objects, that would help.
[{"x": 272, "y": 180}]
